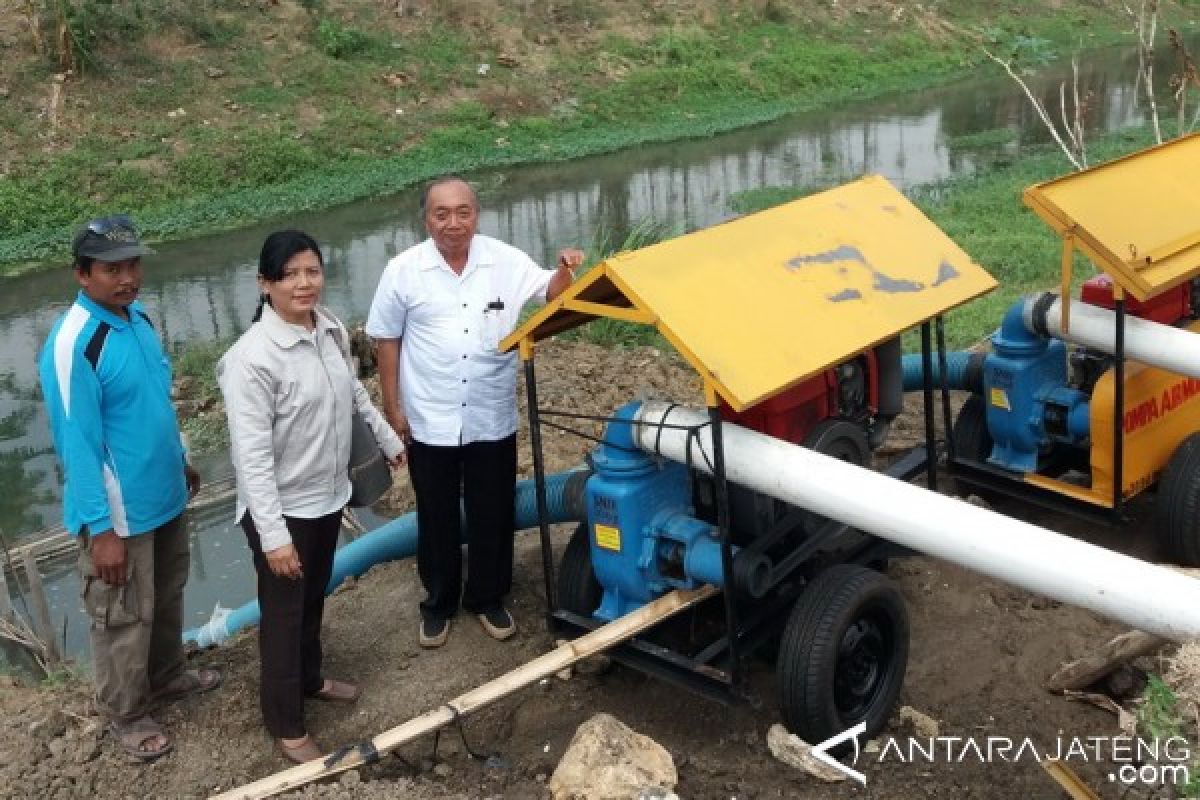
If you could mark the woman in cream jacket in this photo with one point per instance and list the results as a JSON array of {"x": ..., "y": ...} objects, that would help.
[{"x": 289, "y": 396}]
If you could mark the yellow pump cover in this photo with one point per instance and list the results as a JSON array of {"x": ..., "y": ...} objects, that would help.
[
  {"x": 1137, "y": 217},
  {"x": 763, "y": 302}
]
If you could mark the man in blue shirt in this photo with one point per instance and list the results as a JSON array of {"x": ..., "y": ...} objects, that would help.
[{"x": 107, "y": 387}]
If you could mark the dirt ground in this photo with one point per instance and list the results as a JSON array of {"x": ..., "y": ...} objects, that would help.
[{"x": 980, "y": 651}]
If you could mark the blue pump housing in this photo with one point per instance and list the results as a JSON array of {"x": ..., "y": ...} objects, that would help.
[
  {"x": 1029, "y": 404},
  {"x": 644, "y": 539}
]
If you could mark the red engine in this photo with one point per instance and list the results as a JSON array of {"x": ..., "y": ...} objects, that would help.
[
  {"x": 849, "y": 391},
  {"x": 1166, "y": 308}
]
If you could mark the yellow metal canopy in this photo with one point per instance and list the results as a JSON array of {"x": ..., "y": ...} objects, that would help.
[
  {"x": 761, "y": 303},
  {"x": 1137, "y": 218}
]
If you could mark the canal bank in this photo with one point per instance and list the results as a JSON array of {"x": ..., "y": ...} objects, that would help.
[{"x": 213, "y": 118}]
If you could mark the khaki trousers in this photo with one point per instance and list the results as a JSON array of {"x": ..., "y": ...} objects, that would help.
[{"x": 137, "y": 629}]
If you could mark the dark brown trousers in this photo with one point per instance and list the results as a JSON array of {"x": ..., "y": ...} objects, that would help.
[{"x": 289, "y": 635}]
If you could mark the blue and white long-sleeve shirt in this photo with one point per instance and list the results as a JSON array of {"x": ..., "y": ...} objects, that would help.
[{"x": 107, "y": 387}]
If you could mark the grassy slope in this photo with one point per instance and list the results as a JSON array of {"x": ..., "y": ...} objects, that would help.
[{"x": 274, "y": 122}]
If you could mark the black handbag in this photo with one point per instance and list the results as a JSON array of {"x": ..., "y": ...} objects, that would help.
[{"x": 370, "y": 475}]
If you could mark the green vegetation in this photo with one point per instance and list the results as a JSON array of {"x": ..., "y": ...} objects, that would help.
[
  {"x": 614, "y": 332},
  {"x": 207, "y": 115},
  {"x": 1159, "y": 714},
  {"x": 196, "y": 365},
  {"x": 1160, "y": 717},
  {"x": 198, "y": 362}
]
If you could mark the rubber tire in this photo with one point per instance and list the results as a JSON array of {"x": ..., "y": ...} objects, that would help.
[
  {"x": 972, "y": 440},
  {"x": 578, "y": 590},
  {"x": 809, "y": 671},
  {"x": 1177, "y": 506}
]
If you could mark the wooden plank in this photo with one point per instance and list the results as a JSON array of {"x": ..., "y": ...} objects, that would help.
[
  {"x": 6, "y": 609},
  {"x": 1085, "y": 671},
  {"x": 544, "y": 666},
  {"x": 41, "y": 610}
]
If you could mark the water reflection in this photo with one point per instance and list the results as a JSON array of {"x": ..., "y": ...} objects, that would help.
[{"x": 204, "y": 288}]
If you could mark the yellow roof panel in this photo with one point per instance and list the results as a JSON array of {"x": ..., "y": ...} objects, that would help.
[
  {"x": 765, "y": 301},
  {"x": 1137, "y": 217}
]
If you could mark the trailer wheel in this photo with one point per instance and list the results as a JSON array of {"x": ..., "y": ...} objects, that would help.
[
  {"x": 843, "y": 654},
  {"x": 971, "y": 437},
  {"x": 1177, "y": 507},
  {"x": 973, "y": 441},
  {"x": 578, "y": 590}
]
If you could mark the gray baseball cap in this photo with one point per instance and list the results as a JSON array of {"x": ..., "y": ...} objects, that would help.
[{"x": 112, "y": 238}]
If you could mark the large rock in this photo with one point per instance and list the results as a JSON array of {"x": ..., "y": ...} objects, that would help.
[{"x": 606, "y": 760}]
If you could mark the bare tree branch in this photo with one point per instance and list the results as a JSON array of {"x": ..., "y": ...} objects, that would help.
[
  {"x": 1080, "y": 110},
  {"x": 1187, "y": 78},
  {"x": 1038, "y": 107},
  {"x": 1145, "y": 23}
]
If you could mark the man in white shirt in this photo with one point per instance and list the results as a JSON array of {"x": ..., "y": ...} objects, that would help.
[{"x": 440, "y": 310}]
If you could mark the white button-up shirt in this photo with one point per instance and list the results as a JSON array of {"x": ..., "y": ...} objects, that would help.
[{"x": 455, "y": 385}]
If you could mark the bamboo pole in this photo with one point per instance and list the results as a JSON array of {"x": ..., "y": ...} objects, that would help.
[
  {"x": 560, "y": 658},
  {"x": 41, "y": 610}
]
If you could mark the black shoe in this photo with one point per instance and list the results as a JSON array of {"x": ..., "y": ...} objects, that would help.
[
  {"x": 434, "y": 631},
  {"x": 498, "y": 623}
]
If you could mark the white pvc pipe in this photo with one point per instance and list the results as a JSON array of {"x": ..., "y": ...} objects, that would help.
[
  {"x": 1147, "y": 597},
  {"x": 1173, "y": 349}
]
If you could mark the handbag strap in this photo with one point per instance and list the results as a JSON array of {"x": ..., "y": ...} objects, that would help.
[{"x": 340, "y": 340}]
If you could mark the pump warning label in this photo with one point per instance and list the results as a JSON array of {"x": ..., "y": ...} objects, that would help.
[
  {"x": 608, "y": 537},
  {"x": 1000, "y": 399}
]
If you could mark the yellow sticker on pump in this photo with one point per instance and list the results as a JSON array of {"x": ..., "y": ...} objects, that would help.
[
  {"x": 1000, "y": 399},
  {"x": 608, "y": 537}
]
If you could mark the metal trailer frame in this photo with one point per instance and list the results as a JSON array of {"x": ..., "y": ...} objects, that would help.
[
  {"x": 853, "y": 267},
  {"x": 717, "y": 670}
]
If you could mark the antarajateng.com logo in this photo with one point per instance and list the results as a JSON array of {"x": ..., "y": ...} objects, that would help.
[{"x": 1127, "y": 760}]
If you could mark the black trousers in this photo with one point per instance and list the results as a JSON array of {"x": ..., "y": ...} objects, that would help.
[
  {"x": 484, "y": 474},
  {"x": 289, "y": 635}
]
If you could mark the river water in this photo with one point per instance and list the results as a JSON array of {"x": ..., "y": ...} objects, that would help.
[{"x": 204, "y": 288}]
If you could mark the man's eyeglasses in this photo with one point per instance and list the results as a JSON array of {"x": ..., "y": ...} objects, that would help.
[{"x": 118, "y": 227}]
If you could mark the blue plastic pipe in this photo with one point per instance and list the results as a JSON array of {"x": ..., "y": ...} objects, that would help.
[
  {"x": 957, "y": 371},
  {"x": 398, "y": 539}
]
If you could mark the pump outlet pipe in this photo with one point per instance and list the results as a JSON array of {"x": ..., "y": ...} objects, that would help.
[
  {"x": 1173, "y": 349},
  {"x": 1147, "y": 597},
  {"x": 398, "y": 539}
]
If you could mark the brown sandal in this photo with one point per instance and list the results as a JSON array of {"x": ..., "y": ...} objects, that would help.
[
  {"x": 301, "y": 753},
  {"x": 134, "y": 738},
  {"x": 189, "y": 682},
  {"x": 337, "y": 691}
]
